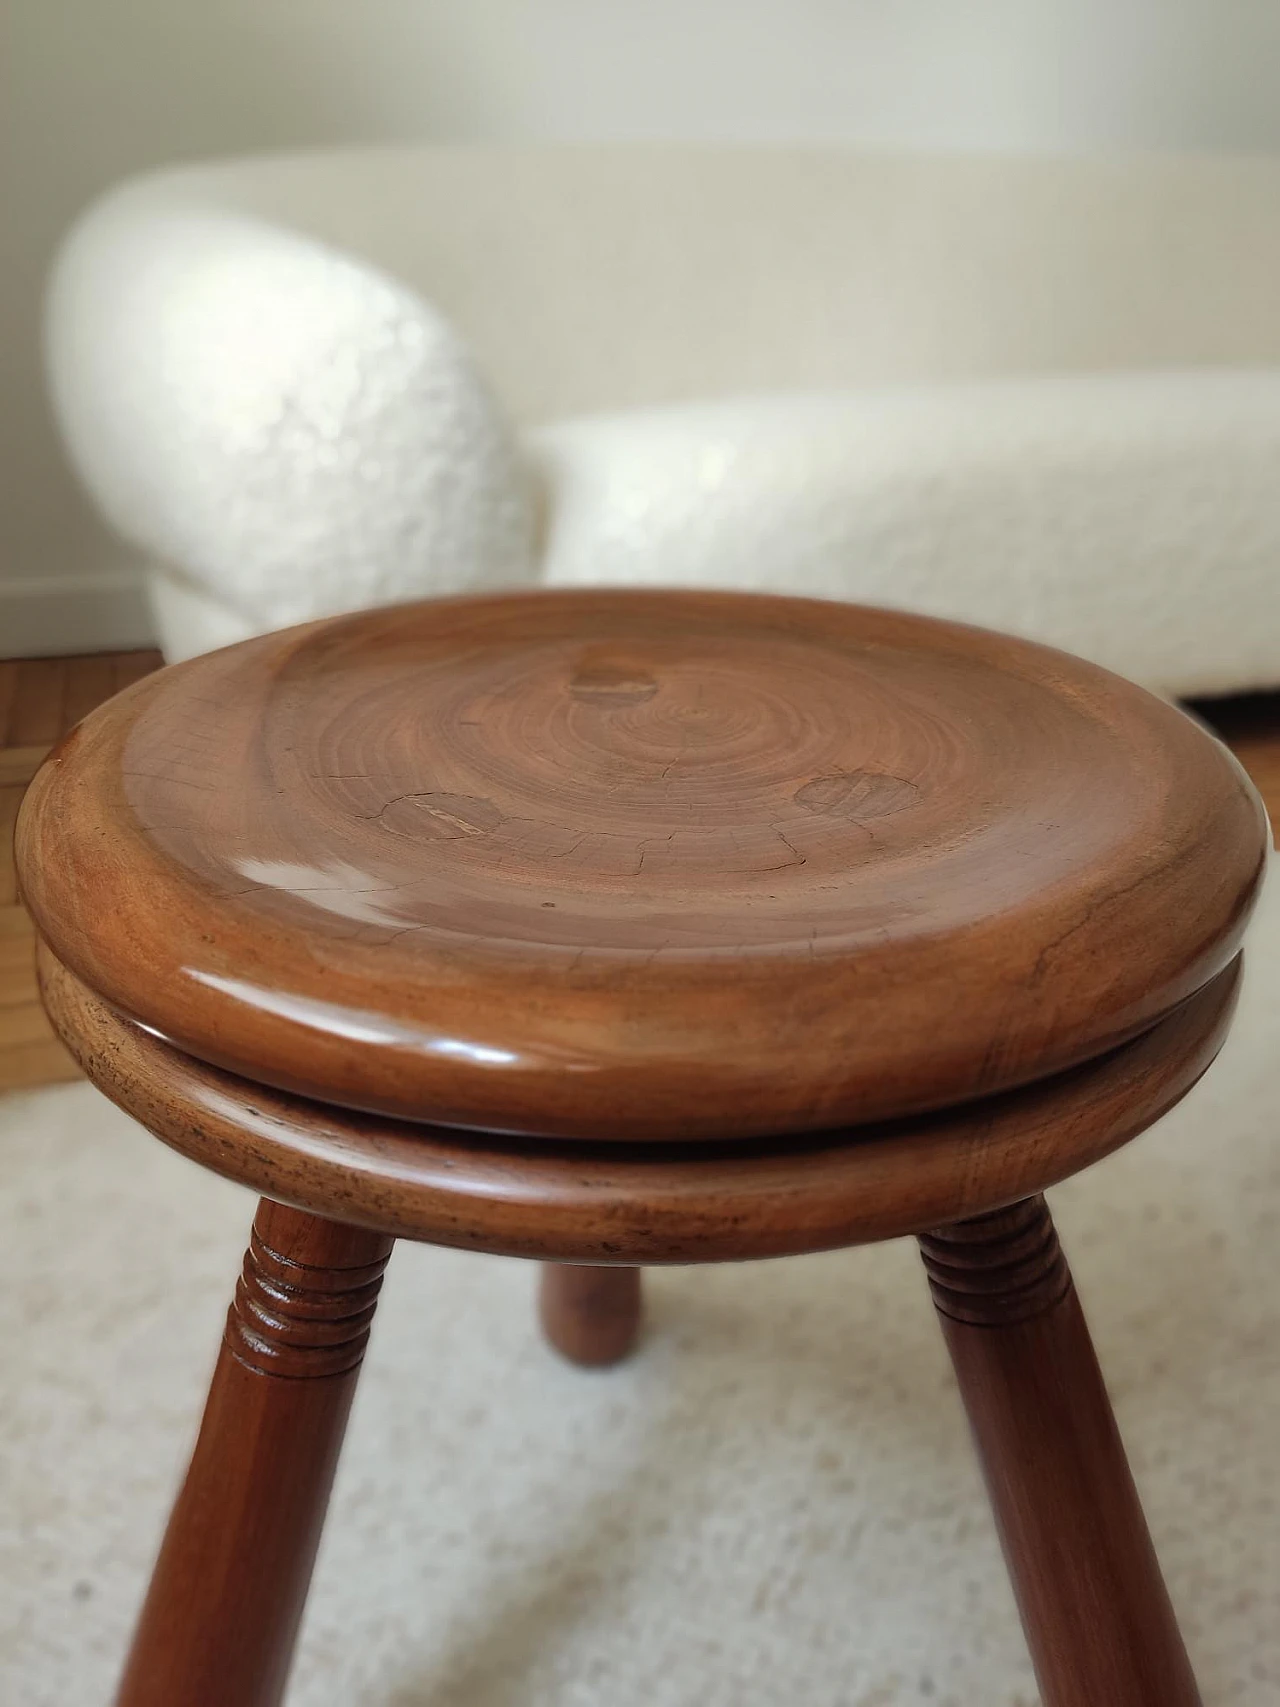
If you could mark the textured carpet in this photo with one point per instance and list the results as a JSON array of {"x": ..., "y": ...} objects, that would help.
[{"x": 774, "y": 1502}]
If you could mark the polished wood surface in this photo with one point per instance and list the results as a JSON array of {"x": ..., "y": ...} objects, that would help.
[
  {"x": 1094, "y": 1606},
  {"x": 641, "y": 1203},
  {"x": 627, "y": 866},
  {"x": 591, "y": 1315},
  {"x": 40, "y": 699},
  {"x": 222, "y": 1613},
  {"x": 43, "y": 697}
]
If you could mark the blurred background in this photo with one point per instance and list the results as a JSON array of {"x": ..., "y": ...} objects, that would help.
[{"x": 94, "y": 93}]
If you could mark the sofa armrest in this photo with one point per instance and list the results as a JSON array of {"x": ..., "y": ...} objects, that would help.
[{"x": 275, "y": 421}]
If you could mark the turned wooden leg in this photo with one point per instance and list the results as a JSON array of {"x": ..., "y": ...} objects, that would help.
[
  {"x": 1094, "y": 1606},
  {"x": 222, "y": 1612},
  {"x": 590, "y": 1315}
]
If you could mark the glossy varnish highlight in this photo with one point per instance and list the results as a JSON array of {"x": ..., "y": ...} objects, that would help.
[{"x": 625, "y": 865}]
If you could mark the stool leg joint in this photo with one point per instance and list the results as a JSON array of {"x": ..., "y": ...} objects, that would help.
[
  {"x": 226, "y": 1597},
  {"x": 999, "y": 1268},
  {"x": 1094, "y": 1606},
  {"x": 590, "y": 1315},
  {"x": 298, "y": 1320}
]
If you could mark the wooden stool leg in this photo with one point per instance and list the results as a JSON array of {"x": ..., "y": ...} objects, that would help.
[
  {"x": 590, "y": 1315},
  {"x": 226, "y": 1598},
  {"x": 1093, "y": 1602}
]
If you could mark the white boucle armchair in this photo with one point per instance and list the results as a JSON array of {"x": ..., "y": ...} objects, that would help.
[{"x": 1039, "y": 395}]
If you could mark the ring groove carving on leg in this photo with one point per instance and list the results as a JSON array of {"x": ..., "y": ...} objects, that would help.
[
  {"x": 998, "y": 1268},
  {"x": 295, "y": 1320}
]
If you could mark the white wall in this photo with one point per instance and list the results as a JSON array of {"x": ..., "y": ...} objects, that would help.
[{"x": 96, "y": 89}]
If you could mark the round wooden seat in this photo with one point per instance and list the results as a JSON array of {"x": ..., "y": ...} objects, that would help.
[{"x": 641, "y": 866}]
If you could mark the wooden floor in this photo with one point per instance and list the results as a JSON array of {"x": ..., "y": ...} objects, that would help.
[{"x": 40, "y": 699}]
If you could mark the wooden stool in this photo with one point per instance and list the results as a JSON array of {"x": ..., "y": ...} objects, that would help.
[{"x": 623, "y": 928}]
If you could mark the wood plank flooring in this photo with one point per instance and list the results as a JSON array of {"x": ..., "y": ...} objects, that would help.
[{"x": 40, "y": 699}]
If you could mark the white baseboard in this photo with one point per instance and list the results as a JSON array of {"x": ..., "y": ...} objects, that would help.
[{"x": 106, "y": 612}]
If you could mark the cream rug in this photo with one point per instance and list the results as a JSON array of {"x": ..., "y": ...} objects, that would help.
[{"x": 774, "y": 1502}]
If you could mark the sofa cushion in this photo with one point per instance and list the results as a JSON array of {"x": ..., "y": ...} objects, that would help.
[{"x": 1130, "y": 517}]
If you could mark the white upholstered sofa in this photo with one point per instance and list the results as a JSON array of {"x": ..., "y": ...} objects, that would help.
[{"x": 1039, "y": 395}]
